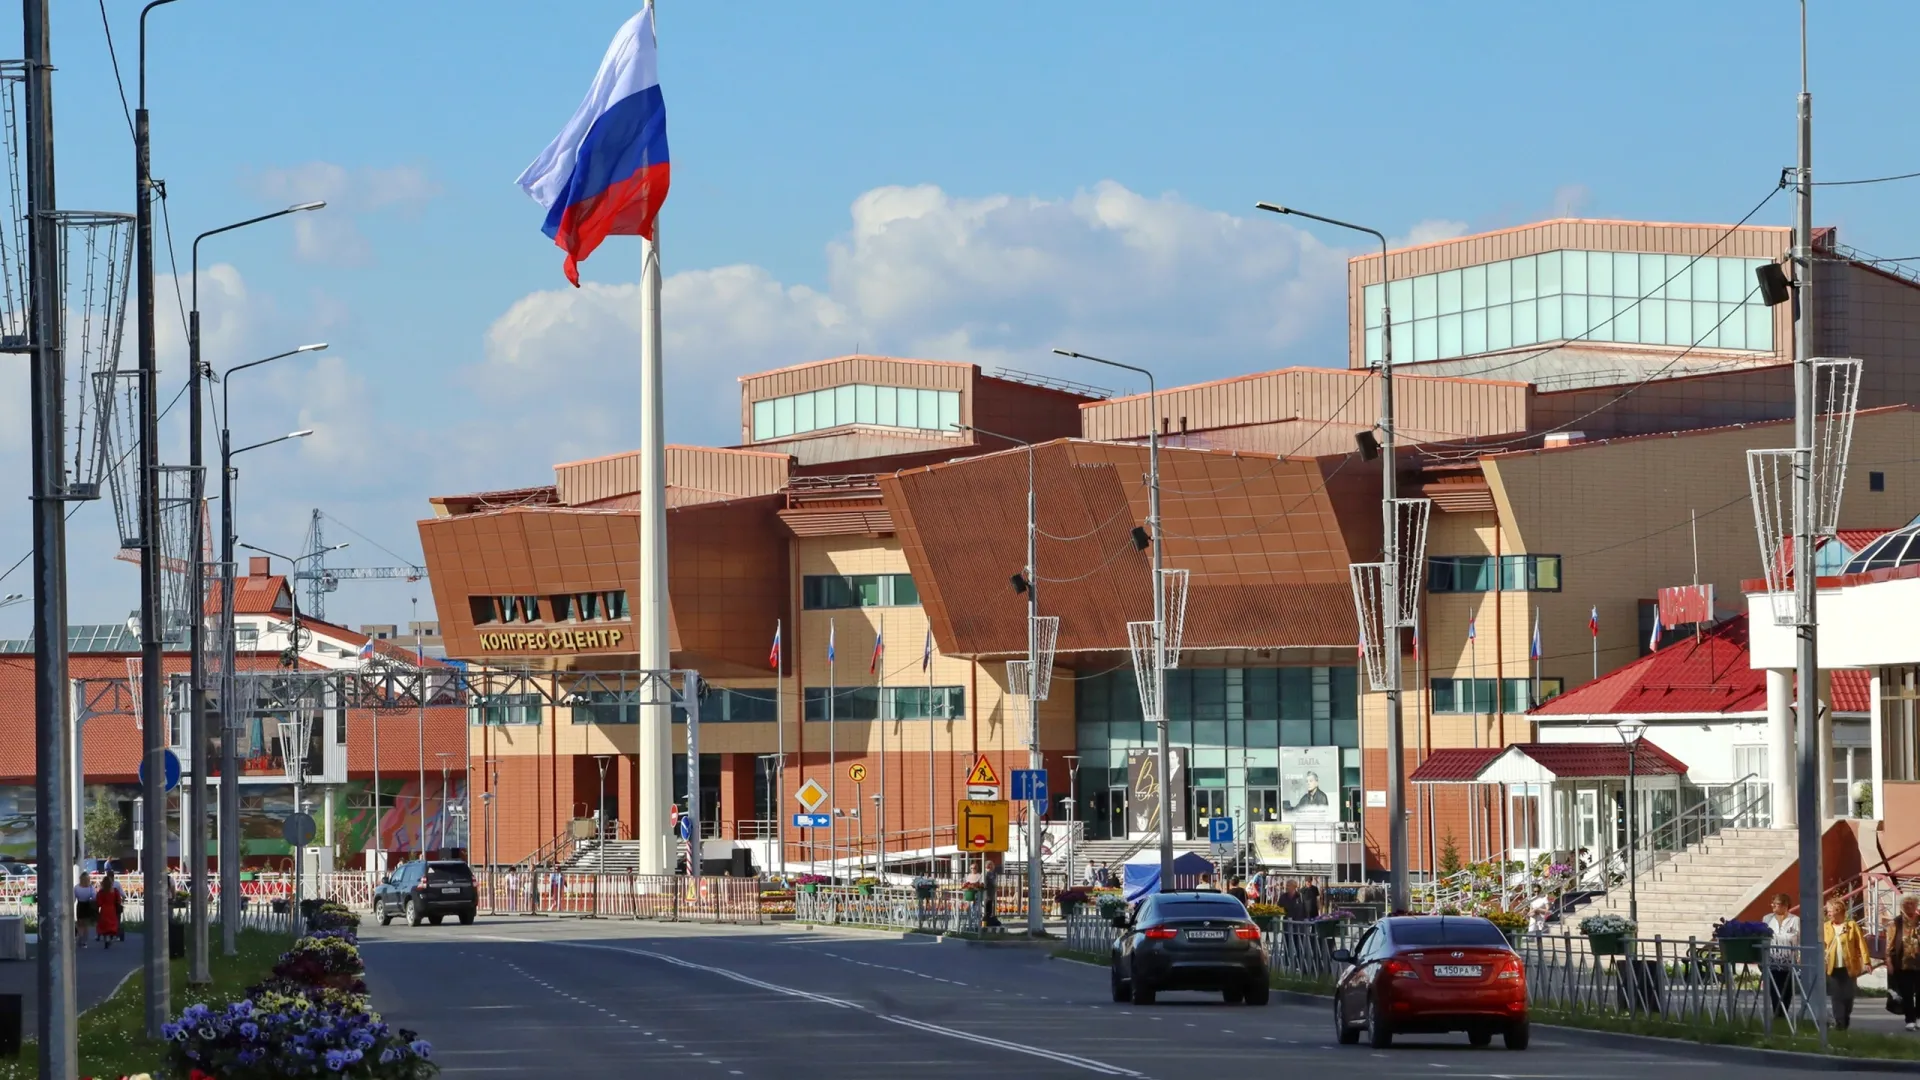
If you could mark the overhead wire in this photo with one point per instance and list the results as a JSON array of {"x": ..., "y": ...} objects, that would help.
[
  {"x": 368, "y": 539},
  {"x": 107, "y": 26},
  {"x": 1868, "y": 180}
]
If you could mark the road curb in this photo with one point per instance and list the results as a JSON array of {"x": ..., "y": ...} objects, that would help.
[
  {"x": 943, "y": 939},
  {"x": 1753, "y": 1055}
]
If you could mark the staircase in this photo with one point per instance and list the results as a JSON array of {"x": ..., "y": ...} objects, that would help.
[
  {"x": 621, "y": 856},
  {"x": 1685, "y": 894}
]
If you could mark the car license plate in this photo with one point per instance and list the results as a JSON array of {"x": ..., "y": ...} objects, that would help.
[
  {"x": 456, "y": 888},
  {"x": 1206, "y": 935},
  {"x": 1458, "y": 971}
]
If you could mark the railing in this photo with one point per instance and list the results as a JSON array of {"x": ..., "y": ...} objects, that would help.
[
  {"x": 933, "y": 911},
  {"x": 615, "y": 895},
  {"x": 1691, "y": 982},
  {"x": 1747, "y": 803},
  {"x": 756, "y": 829}
]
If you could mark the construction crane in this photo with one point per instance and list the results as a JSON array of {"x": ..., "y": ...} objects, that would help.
[{"x": 322, "y": 579}]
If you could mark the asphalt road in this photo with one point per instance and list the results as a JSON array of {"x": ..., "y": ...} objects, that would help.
[{"x": 545, "y": 997}]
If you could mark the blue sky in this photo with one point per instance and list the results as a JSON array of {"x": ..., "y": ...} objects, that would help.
[{"x": 974, "y": 182}]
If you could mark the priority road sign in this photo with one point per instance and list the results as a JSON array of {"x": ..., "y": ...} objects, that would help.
[
  {"x": 812, "y": 821},
  {"x": 1220, "y": 830},
  {"x": 983, "y": 825},
  {"x": 857, "y": 773},
  {"x": 1030, "y": 785},
  {"x": 811, "y": 795}
]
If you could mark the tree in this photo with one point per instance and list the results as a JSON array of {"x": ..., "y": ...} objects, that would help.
[
  {"x": 103, "y": 829},
  {"x": 1450, "y": 863}
]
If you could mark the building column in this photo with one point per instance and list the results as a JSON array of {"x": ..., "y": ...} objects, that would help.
[
  {"x": 1877, "y": 770},
  {"x": 1781, "y": 767}
]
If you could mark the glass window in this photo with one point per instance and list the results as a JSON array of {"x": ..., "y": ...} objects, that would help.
[
  {"x": 1653, "y": 321},
  {"x": 802, "y": 413},
  {"x": 1473, "y": 332},
  {"x": 1500, "y": 283},
  {"x": 844, "y": 408},
  {"x": 929, "y": 408},
  {"x": 949, "y": 410},
  {"x": 1573, "y": 316},
  {"x": 1706, "y": 280},
  {"x": 885, "y": 407},
  {"x": 1549, "y": 316},
  {"x": 1449, "y": 337},
  {"x": 782, "y": 417},
  {"x": 1547, "y": 273},
  {"x": 1426, "y": 297},
  {"x": 1473, "y": 288},
  {"x": 1626, "y": 275},
  {"x": 1679, "y": 278},
  {"x": 1525, "y": 287},
  {"x": 1370, "y": 298},
  {"x": 1448, "y": 285},
  {"x": 1733, "y": 327},
  {"x": 1500, "y": 327},
  {"x": 1679, "y": 322},
  {"x": 1573, "y": 273},
  {"x": 1759, "y": 326},
  {"x": 1653, "y": 277},
  {"x": 763, "y": 419},
  {"x": 823, "y": 405},
  {"x": 863, "y": 405},
  {"x": 1426, "y": 339},
  {"x": 1599, "y": 274},
  {"x": 1400, "y": 299},
  {"x": 908, "y": 408},
  {"x": 1526, "y": 322},
  {"x": 1626, "y": 321}
]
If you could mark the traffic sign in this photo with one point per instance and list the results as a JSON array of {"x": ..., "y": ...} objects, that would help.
[
  {"x": 172, "y": 773},
  {"x": 857, "y": 773},
  {"x": 812, "y": 821},
  {"x": 984, "y": 794},
  {"x": 1220, "y": 830},
  {"x": 983, "y": 774},
  {"x": 811, "y": 795},
  {"x": 983, "y": 825},
  {"x": 297, "y": 829},
  {"x": 1030, "y": 785}
]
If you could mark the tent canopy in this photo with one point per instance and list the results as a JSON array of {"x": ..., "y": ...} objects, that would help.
[{"x": 1140, "y": 874}]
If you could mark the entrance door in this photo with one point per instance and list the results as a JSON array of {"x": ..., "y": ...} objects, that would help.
[
  {"x": 1117, "y": 812},
  {"x": 1207, "y": 803},
  {"x": 1588, "y": 817},
  {"x": 1263, "y": 804}
]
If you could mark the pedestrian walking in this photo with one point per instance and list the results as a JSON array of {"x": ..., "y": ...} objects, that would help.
[
  {"x": 1783, "y": 952},
  {"x": 513, "y": 889},
  {"x": 556, "y": 889},
  {"x": 108, "y": 902},
  {"x": 86, "y": 910},
  {"x": 990, "y": 888},
  {"x": 1310, "y": 900},
  {"x": 1237, "y": 890},
  {"x": 1903, "y": 960},
  {"x": 1846, "y": 953}
]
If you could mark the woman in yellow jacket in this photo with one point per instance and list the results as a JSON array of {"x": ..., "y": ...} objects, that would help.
[{"x": 1846, "y": 959}]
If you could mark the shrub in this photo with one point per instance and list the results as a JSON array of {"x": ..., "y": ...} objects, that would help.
[
  {"x": 314, "y": 961},
  {"x": 1506, "y": 919},
  {"x": 1266, "y": 911},
  {"x": 334, "y": 916}
]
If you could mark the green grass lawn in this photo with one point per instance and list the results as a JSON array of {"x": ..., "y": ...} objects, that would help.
[{"x": 113, "y": 1039}]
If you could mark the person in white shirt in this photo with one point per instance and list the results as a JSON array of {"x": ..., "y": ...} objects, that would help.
[{"x": 1782, "y": 953}]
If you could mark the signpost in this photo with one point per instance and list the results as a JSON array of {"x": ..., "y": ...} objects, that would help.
[
  {"x": 983, "y": 825},
  {"x": 1220, "y": 830},
  {"x": 812, "y": 821},
  {"x": 811, "y": 795},
  {"x": 172, "y": 769},
  {"x": 857, "y": 773},
  {"x": 1030, "y": 785},
  {"x": 983, "y": 783}
]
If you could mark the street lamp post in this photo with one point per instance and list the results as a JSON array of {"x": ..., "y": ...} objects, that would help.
[
  {"x": 197, "y": 970},
  {"x": 1158, "y": 682},
  {"x": 1630, "y": 731},
  {"x": 229, "y": 751},
  {"x": 445, "y": 797},
  {"x": 13, "y": 598},
  {"x": 600, "y": 820},
  {"x": 1389, "y": 575},
  {"x": 1036, "y": 760},
  {"x": 1073, "y": 800}
]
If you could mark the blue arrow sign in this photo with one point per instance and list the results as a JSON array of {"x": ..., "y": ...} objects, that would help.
[
  {"x": 172, "y": 771},
  {"x": 1030, "y": 785},
  {"x": 812, "y": 821},
  {"x": 1220, "y": 830}
]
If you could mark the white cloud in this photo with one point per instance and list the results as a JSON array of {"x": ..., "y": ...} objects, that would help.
[
  {"x": 332, "y": 235},
  {"x": 1195, "y": 293}
]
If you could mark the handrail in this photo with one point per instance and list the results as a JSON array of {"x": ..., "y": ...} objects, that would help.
[{"x": 1650, "y": 847}]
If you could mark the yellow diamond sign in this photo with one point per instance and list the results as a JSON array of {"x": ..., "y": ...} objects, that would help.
[{"x": 811, "y": 795}]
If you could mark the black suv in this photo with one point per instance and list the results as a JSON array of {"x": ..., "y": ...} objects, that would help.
[
  {"x": 427, "y": 890},
  {"x": 1189, "y": 941}
]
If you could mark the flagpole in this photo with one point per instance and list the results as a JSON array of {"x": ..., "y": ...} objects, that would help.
[
  {"x": 833, "y": 767},
  {"x": 926, "y": 664},
  {"x": 779, "y": 746},
  {"x": 880, "y": 709},
  {"x": 1596, "y": 641}
]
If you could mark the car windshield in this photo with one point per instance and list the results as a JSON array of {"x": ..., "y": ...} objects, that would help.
[
  {"x": 1443, "y": 931},
  {"x": 449, "y": 872},
  {"x": 1223, "y": 908}
]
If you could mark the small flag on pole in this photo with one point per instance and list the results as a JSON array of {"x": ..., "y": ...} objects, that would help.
[
  {"x": 366, "y": 651},
  {"x": 773, "y": 656},
  {"x": 1534, "y": 654},
  {"x": 1471, "y": 619},
  {"x": 926, "y": 655},
  {"x": 879, "y": 648},
  {"x": 829, "y": 641},
  {"x": 1653, "y": 642},
  {"x": 1593, "y": 622}
]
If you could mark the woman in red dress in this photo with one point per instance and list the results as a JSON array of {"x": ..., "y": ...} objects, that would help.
[{"x": 109, "y": 902}]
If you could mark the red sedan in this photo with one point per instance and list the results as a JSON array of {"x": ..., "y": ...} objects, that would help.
[{"x": 1427, "y": 974}]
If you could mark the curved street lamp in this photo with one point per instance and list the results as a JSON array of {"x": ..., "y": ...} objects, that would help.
[{"x": 1630, "y": 732}]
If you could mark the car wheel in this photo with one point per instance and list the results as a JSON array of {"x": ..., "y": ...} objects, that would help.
[
  {"x": 412, "y": 912},
  {"x": 386, "y": 917},
  {"x": 1379, "y": 1033},
  {"x": 1516, "y": 1036},
  {"x": 1479, "y": 1037},
  {"x": 467, "y": 916},
  {"x": 1120, "y": 990},
  {"x": 1258, "y": 993},
  {"x": 1346, "y": 1034},
  {"x": 1142, "y": 991}
]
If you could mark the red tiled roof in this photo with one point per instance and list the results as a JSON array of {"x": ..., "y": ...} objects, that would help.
[
  {"x": 1457, "y": 765},
  {"x": 1607, "y": 759},
  {"x": 1712, "y": 675},
  {"x": 253, "y": 595}
]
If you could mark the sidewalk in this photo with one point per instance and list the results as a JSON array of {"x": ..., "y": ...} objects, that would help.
[{"x": 98, "y": 971}]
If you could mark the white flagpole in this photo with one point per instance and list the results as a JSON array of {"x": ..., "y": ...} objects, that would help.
[
  {"x": 880, "y": 710},
  {"x": 655, "y": 764},
  {"x": 833, "y": 766},
  {"x": 926, "y": 661},
  {"x": 780, "y": 746}
]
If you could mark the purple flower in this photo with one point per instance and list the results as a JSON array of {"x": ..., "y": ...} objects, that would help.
[
  {"x": 336, "y": 1060},
  {"x": 249, "y": 1030},
  {"x": 422, "y": 1047}
]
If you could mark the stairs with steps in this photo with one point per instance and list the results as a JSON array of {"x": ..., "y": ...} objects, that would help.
[
  {"x": 1687, "y": 893},
  {"x": 622, "y": 856}
]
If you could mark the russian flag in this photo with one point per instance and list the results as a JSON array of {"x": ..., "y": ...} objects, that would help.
[
  {"x": 879, "y": 650},
  {"x": 1535, "y": 649},
  {"x": 366, "y": 650},
  {"x": 773, "y": 657},
  {"x": 606, "y": 173}
]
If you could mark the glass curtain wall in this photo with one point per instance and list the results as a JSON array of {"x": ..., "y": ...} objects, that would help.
[{"x": 1231, "y": 722}]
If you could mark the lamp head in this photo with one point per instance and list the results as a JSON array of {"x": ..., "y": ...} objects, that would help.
[
  {"x": 298, "y": 207},
  {"x": 315, "y": 347},
  {"x": 1272, "y": 208},
  {"x": 1630, "y": 731},
  {"x": 301, "y": 434}
]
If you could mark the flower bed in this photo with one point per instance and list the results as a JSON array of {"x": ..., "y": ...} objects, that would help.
[
  {"x": 1742, "y": 942},
  {"x": 1608, "y": 935},
  {"x": 275, "y": 1035}
]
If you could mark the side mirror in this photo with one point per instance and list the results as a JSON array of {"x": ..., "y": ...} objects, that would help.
[
  {"x": 1343, "y": 956},
  {"x": 1120, "y": 922}
]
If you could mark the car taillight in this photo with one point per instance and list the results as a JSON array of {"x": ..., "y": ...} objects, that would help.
[
  {"x": 1247, "y": 933},
  {"x": 422, "y": 887},
  {"x": 1398, "y": 969},
  {"x": 1511, "y": 968},
  {"x": 1160, "y": 933}
]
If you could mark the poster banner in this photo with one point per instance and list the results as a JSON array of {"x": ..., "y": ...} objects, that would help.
[
  {"x": 1309, "y": 779},
  {"x": 1273, "y": 843},
  {"x": 1143, "y": 791}
]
